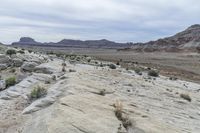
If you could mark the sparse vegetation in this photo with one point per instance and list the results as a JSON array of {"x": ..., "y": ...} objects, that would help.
[
  {"x": 153, "y": 73},
  {"x": 89, "y": 60},
  {"x": 101, "y": 64},
  {"x": 63, "y": 69},
  {"x": 71, "y": 70},
  {"x": 64, "y": 64},
  {"x": 21, "y": 52},
  {"x": 38, "y": 92},
  {"x": 186, "y": 97},
  {"x": 102, "y": 92},
  {"x": 10, "y": 81},
  {"x": 30, "y": 51},
  {"x": 54, "y": 77},
  {"x": 112, "y": 66},
  {"x": 10, "y": 52},
  {"x": 13, "y": 70},
  {"x": 119, "y": 114}
]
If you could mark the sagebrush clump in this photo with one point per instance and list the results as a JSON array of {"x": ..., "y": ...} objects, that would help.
[
  {"x": 10, "y": 81},
  {"x": 10, "y": 52},
  {"x": 38, "y": 92},
  {"x": 153, "y": 73},
  {"x": 112, "y": 66}
]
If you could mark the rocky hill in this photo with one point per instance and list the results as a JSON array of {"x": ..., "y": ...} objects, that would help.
[
  {"x": 187, "y": 40},
  {"x": 80, "y": 94},
  {"x": 69, "y": 43}
]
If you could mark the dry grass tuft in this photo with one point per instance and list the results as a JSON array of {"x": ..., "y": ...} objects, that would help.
[{"x": 120, "y": 116}]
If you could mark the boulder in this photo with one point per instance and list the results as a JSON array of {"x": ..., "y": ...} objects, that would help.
[
  {"x": 43, "y": 69},
  {"x": 17, "y": 62},
  {"x": 4, "y": 59},
  {"x": 29, "y": 66},
  {"x": 2, "y": 85},
  {"x": 3, "y": 66}
]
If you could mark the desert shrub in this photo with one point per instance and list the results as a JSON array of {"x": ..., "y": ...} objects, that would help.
[
  {"x": 63, "y": 69},
  {"x": 119, "y": 114},
  {"x": 71, "y": 70},
  {"x": 54, "y": 77},
  {"x": 10, "y": 81},
  {"x": 118, "y": 110},
  {"x": 64, "y": 64},
  {"x": 153, "y": 73},
  {"x": 10, "y": 52},
  {"x": 38, "y": 92},
  {"x": 186, "y": 97},
  {"x": 137, "y": 70},
  {"x": 50, "y": 52},
  {"x": 30, "y": 51},
  {"x": 21, "y": 52},
  {"x": 173, "y": 78},
  {"x": 89, "y": 60},
  {"x": 78, "y": 58},
  {"x": 101, "y": 64},
  {"x": 59, "y": 54},
  {"x": 112, "y": 66},
  {"x": 102, "y": 92},
  {"x": 13, "y": 70}
]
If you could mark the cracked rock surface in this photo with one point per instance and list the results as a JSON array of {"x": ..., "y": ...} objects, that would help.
[{"x": 75, "y": 104}]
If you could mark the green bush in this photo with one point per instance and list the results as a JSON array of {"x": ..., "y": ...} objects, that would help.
[
  {"x": 10, "y": 52},
  {"x": 10, "y": 81},
  {"x": 112, "y": 66},
  {"x": 38, "y": 92},
  {"x": 153, "y": 73}
]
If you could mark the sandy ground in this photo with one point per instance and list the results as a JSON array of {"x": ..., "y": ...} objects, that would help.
[{"x": 185, "y": 66}]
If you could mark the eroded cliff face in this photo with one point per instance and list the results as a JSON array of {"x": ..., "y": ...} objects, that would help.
[
  {"x": 187, "y": 40},
  {"x": 92, "y": 98}
]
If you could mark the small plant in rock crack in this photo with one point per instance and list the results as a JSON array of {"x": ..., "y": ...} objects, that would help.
[
  {"x": 38, "y": 92},
  {"x": 186, "y": 97},
  {"x": 120, "y": 116},
  {"x": 54, "y": 77},
  {"x": 63, "y": 67},
  {"x": 102, "y": 92},
  {"x": 118, "y": 110}
]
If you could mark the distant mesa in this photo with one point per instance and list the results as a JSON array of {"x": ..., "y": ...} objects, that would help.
[{"x": 27, "y": 41}]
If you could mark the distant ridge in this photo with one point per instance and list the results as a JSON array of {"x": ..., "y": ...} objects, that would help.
[
  {"x": 27, "y": 41},
  {"x": 187, "y": 40}
]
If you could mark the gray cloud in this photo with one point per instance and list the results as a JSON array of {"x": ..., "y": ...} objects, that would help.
[{"x": 118, "y": 20}]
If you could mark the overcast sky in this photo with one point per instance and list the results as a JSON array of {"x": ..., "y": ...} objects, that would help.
[{"x": 117, "y": 20}]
